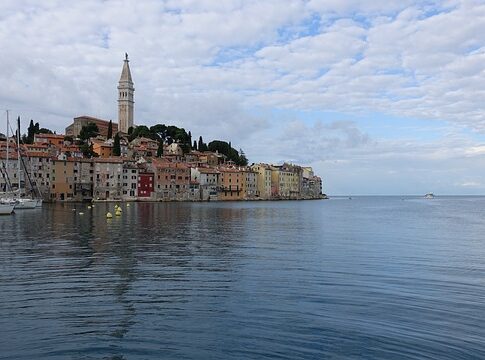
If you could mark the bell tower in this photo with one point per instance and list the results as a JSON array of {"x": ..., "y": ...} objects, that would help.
[{"x": 126, "y": 101}]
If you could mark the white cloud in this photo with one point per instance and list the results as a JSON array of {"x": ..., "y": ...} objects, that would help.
[{"x": 222, "y": 68}]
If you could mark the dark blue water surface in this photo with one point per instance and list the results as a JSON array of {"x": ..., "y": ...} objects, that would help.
[{"x": 367, "y": 278}]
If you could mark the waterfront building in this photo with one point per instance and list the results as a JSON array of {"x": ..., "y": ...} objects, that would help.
[
  {"x": 146, "y": 186},
  {"x": 208, "y": 180},
  {"x": 107, "y": 178},
  {"x": 263, "y": 180},
  {"x": 11, "y": 173},
  {"x": 172, "y": 180},
  {"x": 130, "y": 180},
  {"x": 62, "y": 180},
  {"x": 83, "y": 179},
  {"x": 38, "y": 164},
  {"x": 286, "y": 181},
  {"x": 126, "y": 101},
  {"x": 230, "y": 184},
  {"x": 249, "y": 183}
]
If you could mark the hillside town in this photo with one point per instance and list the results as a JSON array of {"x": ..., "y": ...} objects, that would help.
[{"x": 100, "y": 160}]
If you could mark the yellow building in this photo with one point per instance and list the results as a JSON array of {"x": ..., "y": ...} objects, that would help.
[
  {"x": 62, "y": 179},
  {"x": 286, "y": 181},
  {"x": 263, "y": 180},
  {"x": 230, "y": 184},
  {"x": 249, "y": 183}
]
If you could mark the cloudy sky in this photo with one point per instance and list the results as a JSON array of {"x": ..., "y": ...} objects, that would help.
[{"x": 380, "y": 97}]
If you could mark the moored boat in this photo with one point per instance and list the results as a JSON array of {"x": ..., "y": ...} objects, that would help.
[
  {"x": 6, "y": 208},
  {"x": 25, "y": 204},
  {"x": 429, "y": 196}
]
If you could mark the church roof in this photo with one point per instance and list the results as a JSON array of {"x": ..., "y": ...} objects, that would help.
[{"x": 126, "y": 73}]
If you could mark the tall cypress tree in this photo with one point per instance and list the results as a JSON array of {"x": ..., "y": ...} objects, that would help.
[
  {"x": 110, "y": 130},
  {"x": 31, "y": 132},
  {"x": 194, "y": 147},
  {"x": 116, "y": 145},
  {"x": 160, "y": 149}
]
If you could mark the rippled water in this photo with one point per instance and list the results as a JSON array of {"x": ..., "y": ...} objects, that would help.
[{"x": 372, "y": 278}]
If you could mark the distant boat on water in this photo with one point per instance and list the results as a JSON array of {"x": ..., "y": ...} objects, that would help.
[{"x": 429, "y": 196}]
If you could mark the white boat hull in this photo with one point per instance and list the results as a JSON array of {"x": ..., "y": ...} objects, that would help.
[
  {"x": 6, "y": 209},
  {"x": 39, "y": 203},
  {"x": 26, "y": 204}
]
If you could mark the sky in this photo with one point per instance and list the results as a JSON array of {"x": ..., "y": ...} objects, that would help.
[{"x": 379, "y": 97}]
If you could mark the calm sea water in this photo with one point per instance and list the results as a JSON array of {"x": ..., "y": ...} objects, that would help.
[{"x": 367, "y": 278}]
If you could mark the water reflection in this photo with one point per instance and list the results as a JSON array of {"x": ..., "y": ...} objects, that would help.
[{"x": 372, "y": 278}]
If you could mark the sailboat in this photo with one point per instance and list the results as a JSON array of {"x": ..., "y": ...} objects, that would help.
[
  {"x": 6, "y": 208},
  {"x": 7, "y": 204},
  {"x": 22, "y": 203}
]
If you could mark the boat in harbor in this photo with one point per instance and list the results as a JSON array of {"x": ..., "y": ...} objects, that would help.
[
  {"x": 6, "y": 208},
  {"x": 429, "y": 196},
  {"x": 21, "y": 202},
  {"x": 25, "y": 203}
]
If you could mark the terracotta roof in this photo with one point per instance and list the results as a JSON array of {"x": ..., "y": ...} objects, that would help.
[
  {"x": 49, "y": 136},
  {"x": 108, "y": 160},
  {"x": 38, "y": 154},
  {"x": 208, "y": 171}
]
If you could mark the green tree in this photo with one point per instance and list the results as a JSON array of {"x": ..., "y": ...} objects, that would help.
[
  {"x": 160, "y": 149},
  {"x": 44, "y": 131},
  {"x": 88, "y": 131},
  {"x": 30, "y": 132},
  {"x": 202, "y": 146},
  {"x": 140, "y": 131},
  {"x": 116, "y": 145},
  {"x": 88, "y": 151},
  {"x": 110, "y": 130},
  {"x": 243, "y": 160}
]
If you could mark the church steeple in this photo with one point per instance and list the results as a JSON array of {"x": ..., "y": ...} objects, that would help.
[{"x": 126, "y": 101}]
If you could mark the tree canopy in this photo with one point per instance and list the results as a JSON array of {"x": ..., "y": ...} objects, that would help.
[
  {"x": 116, "y": 145},
  {"x": 88, "y": 131},
  {"x": 33, "y": 129},
  {"x": 225, "y": 148}
]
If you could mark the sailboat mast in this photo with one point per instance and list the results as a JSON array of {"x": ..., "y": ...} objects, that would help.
[
  {"x": 18, "y": 150},
  {"x": 8, "y": 124}
]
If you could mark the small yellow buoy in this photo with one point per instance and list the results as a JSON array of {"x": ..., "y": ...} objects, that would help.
[
  {"x": 118, "y": 213},
  {"x": 89, "y": 207},
  {"x": 127, "y": 205},
  {"x": 81, "y": 213},
  {"x": 109, "y": 215}
]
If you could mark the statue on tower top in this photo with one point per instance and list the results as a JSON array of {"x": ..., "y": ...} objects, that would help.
[{"x": 126, "y": 56}]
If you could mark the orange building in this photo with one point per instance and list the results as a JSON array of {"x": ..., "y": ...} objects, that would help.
[
  {"x": 230, "y": 184},
  {"x": 102, "y": 148},
  {"x": 51, "y": 139},
  {"x": 62, "y": 179}
]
